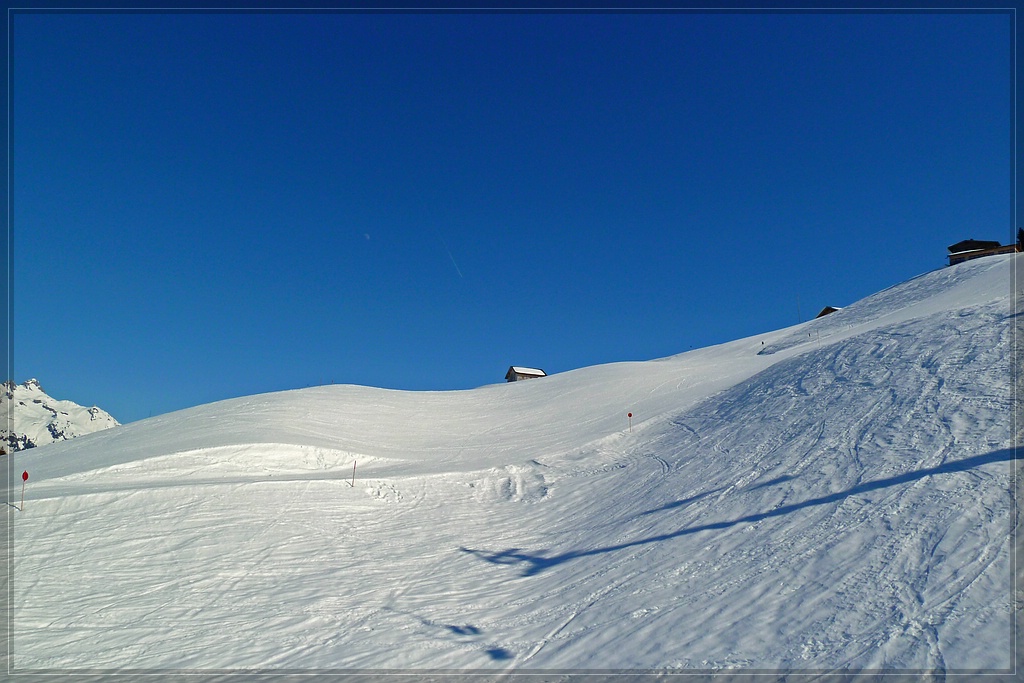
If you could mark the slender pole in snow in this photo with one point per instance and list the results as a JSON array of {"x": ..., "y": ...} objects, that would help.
[
  {"x": 24, "y": 478},
  {"x": 630, "y": 416},
  {"x": 353, "y": 474}
]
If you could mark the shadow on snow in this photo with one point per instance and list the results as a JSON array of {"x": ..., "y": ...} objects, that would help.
[
  {"x": 693, "y": 499},
  {"x": 538, "y": 562},
  {"x": 463, "y": 633}
]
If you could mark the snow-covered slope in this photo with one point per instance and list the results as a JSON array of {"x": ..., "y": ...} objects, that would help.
[
  {"x": 835, "y": 495},
  {"x": 32, "y": 418}
]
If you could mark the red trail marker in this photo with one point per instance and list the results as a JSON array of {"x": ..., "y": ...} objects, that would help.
[
  {"x": 24, "y": 478},
  {"x": 630, "y": 416}
]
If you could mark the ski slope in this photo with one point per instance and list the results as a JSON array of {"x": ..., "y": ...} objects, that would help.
[{"x": 834, "y": 495}]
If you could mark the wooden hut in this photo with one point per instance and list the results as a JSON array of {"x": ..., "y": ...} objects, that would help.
[
  {"x": 516, "y": 373},
  {"x": 965, "y": 250}
]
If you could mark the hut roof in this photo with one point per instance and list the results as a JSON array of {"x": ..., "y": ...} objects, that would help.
[
  {"x": 972, "y": 245},
  {"x": 827, "y": 310},
  {"x": 520, "y": 370}
]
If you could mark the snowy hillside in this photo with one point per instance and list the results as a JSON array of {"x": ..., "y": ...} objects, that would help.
[
  {"x": 835, "y": 495},
  {"x": 36, "y": 419}
]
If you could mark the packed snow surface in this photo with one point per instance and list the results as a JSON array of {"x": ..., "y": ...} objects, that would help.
[{"x": 834, "y": 495}]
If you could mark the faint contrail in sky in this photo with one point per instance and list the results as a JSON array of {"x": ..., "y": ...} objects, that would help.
[{"x": 457, "y": 269}]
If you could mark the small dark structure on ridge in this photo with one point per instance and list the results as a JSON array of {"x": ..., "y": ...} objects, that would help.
[
  {"x": 825, "y": 311},
  {"x": 966, "y": 250},
  {"x": 516, "y": 373}
]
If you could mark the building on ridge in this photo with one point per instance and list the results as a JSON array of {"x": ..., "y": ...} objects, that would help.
[
  {"x": 516, "y": 373},
  {"x": 965, "y": 250},
  {"x": 825, "y": 311}
]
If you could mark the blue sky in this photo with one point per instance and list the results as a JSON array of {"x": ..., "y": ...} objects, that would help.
[{"x": 214, "y": 205}]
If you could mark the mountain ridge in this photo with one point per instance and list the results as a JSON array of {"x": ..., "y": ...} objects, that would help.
[{"x": 33, "y": 418}]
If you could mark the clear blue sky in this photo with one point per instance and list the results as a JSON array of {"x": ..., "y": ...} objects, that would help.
[{"x": 214, "y": 205}]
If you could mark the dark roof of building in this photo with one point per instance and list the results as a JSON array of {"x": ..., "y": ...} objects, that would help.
[
  {"x": 972, "y": 245},
  {"x": 826, "y": 311}
]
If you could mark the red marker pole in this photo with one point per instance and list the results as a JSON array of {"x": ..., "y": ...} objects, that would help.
[
  {"x": 630, "y": 416},
  {"x": 24, "y": 478}
]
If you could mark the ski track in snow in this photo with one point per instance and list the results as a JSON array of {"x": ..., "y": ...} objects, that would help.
[{"x": 837, "y": 498}]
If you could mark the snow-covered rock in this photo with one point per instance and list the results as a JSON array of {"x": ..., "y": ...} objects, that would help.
[{"x": 32, "y": 418}]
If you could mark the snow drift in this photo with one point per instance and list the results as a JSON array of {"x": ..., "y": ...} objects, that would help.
[{"x": 838, "y": 495}]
